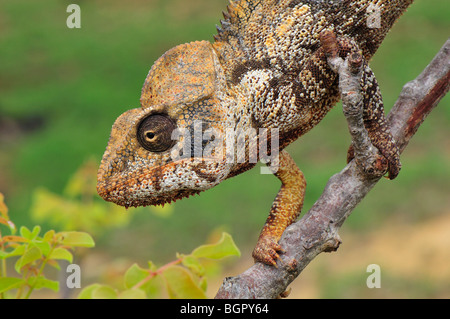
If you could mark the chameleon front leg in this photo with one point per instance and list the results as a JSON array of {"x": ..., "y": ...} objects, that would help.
[{"x": 285, "y": 209}]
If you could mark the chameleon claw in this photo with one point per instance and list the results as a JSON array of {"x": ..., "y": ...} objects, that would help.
[{"x": 267, "y": 251}]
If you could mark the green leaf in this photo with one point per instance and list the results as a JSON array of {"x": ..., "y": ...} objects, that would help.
[
  {"x": 25, "y": 232},
  {"x": 42, "y": 245},
  {"x": 42, "y": 282},
  {"x": 223, "y": 248},
  {"x": 181, "y": 285},
  {"x": 18, "y": 251},
  {"x": 49, "y": 235},
  {"x": 8, "y": 283},
  {"x": 134, "y": 275},
  {"x": 76, "y": 239},
  {"x": 104, "y": 292},
  {"x": 193, "y": 264},
  {"x": 86, "y": 293},
  {"x": 30, "y": 235},
  {"x": 61, "y": 253},
  {"x": 35, "y": 232},
  {"x": 28, "y": 257},
  {"x": 132, "y": 294}
]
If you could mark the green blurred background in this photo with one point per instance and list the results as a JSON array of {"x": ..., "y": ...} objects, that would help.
[{"x": 61, "y": 90}]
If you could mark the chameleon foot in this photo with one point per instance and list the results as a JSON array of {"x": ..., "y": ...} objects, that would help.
[{"x": 267, "y": 251}]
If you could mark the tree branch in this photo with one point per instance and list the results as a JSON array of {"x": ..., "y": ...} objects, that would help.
[{"x": 317, "y": 231}]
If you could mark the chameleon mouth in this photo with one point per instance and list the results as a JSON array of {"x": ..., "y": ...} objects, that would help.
[
  {"x": 167, "y": 198},
  {"x": 141, "y": 195},
  {"x": 156, "y": 186}
]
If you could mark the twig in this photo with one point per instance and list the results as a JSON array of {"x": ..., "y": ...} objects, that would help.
[{"x": 317, "y": 231}]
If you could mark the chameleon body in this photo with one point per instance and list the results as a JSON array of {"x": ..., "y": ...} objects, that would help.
[{"x": 265, "y": 70}]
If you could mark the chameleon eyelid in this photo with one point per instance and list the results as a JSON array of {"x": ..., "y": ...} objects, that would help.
[{"x": 154, "y": 132}]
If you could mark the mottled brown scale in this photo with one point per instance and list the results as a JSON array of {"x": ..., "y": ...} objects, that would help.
[{"x": 267, "y": 69}]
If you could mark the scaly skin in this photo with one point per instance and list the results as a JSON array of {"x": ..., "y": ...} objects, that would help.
[{"x": 266, "y": 70}]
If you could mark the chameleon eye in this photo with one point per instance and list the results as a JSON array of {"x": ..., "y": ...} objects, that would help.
[{"x": 155, "y": 131}]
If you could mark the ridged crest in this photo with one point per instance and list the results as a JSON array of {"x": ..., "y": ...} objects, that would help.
[
  {"x": 346, "y": 15},
  {"x": 236, "y": 14}
]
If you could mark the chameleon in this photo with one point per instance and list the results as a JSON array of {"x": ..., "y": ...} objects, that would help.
[{"x": 266, "y": 72}]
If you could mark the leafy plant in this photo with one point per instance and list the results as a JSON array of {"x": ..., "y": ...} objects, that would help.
[
  {"x": 29, "y": 252},
  {"x": 184, "y": 277},
  {"x": 33, "y": 252},
  {"x": 80, "y": 208}
]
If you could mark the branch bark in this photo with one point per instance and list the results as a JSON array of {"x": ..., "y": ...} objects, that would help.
[{"x": 317, "y": 230}]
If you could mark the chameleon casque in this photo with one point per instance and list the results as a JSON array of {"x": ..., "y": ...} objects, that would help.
[{"x": 265, "y": 70}]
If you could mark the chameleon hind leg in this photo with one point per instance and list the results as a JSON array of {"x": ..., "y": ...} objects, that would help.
[
  {"x": 373, "y": 108},
  {"x": 375, "y": 122},
  {"x": 285, "y": 209}
]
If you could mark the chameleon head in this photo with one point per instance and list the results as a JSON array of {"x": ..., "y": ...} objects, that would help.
[{"x": 156, "y": 153}]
